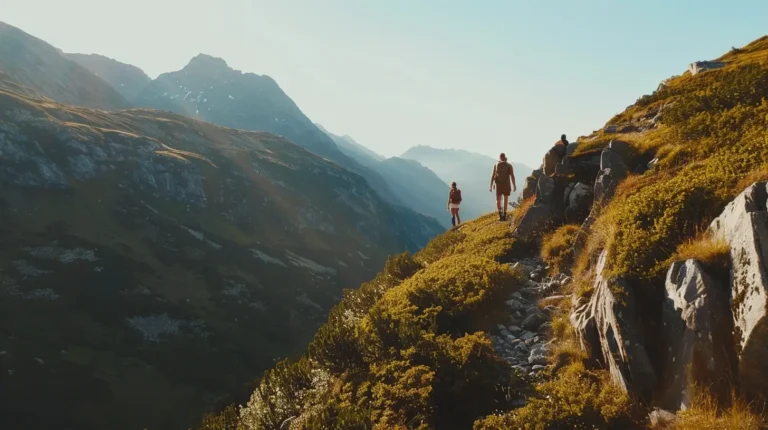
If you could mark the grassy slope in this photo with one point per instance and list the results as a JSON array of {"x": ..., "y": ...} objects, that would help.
[
  {"x": 97, "y": 371},
  {"x": 408, "y": 348},
  {"x": 384, "y": 355}
]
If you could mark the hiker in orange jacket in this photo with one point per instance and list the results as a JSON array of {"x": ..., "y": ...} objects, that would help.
[
  {"x": 500, "y": 179},
  {"x": 454, "y": 200}
]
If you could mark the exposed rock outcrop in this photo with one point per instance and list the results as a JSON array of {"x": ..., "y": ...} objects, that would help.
[
  {"x": 606, "y": 327},
  {"x": 578, "y": 202},
  {"x": 702, "y": 66},
  {"x": 697, "y": 340},
  {"x": 744, "y": 225}
]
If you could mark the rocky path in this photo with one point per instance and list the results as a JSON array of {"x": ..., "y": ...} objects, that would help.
[{"x": 524, "y": 341}]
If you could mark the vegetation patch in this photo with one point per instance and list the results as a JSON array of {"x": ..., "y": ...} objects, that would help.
[
  {"x": 714, "y": 254},
  {"x": 557, "y": 248},
  {"x": 705, "y": 413},
  {"x": 575, "y": 398}
]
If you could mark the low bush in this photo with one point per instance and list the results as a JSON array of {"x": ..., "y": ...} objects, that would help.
[
  {"x": 575, "y": 398},
  {"x": 557, "y": 248},
  {"x": 706, "y": 414},
  {"x": 713, "y": 254},
  {"x": 228, "y": 419}
]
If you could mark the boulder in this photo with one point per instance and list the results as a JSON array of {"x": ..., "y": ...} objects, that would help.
[
  {"x": 545, "y": 190},
  {"x": 529, "y": 189},
  {"x": 571, "y": 147},
  {"x": 606, "y": 326},
  {"x": 661, "y": 418},
  {"x": 702, "y": 66},
  {"x": 606, "y": 183},
  {"x": 620, "y": 148},
  {"x": 567, "y": 192},
  {"x": 551, "y": 159},
  {"x": 579, "y": 202},
  {"x": 533, "y": 321},
  {"x": 611, "y": 129},
  {"x": 538, "y": 355},
  {"x": 613, "y": 159},
  {"x": 535, "y": 219},
  {"x": 744, "y": 225},
  {"x": 696, "y": 336}
]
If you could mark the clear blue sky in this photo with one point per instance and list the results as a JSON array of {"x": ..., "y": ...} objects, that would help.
[{"x": 488, "y": 76}]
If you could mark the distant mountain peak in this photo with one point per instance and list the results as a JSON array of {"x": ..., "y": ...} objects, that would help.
[{"x": 207, "y": 63}]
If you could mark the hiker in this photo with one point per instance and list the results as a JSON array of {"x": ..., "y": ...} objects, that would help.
[
  {"x": 454, "y": 200},
  {"x": 555, "y": 155},
  {"x": 502, "y": 173}
]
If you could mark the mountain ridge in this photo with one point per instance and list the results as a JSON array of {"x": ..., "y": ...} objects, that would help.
[{"x": 45, "y": 71}]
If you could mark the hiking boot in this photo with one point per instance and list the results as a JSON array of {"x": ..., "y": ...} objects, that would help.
[
  {"x": 501, "y": 216},
  {"x": 504, "y": 216}
]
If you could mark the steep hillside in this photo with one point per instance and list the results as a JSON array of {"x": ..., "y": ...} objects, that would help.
[
  {"x": 654, "y": 233},
  {"x": 471, "y": 171},
  {"x": 153, "y": 264},
  {"x": 417, "y": 187},
  {"x": 128, "y": 80},
  {"x": 352, "y": 149},
  {"x": 414, "y": 185},
  {"x": 28, "y": 62},
  {"x": 209, "y": 90}
]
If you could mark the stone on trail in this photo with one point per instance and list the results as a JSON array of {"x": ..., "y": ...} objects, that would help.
[{"x": 661, "y": 418}]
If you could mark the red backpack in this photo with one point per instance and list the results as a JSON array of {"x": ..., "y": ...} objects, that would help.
[{"x": 455, "y": 196}]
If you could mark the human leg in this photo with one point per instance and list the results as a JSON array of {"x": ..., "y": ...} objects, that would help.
[{"x": 454, "y": 213}]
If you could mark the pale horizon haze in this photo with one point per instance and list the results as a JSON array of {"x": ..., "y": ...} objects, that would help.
[{"x": 487, "y": 76}]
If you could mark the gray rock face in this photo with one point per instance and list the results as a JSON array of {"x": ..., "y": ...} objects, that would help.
[
  {"x": 697, "y": 336},
  {"x": 613, "y": 159},
  {"x": 529, "y": 189},
  {"x": 606, "y": 329},
  {"x": 606, "y": 184},
  {"x": 571, "y": 147},
  {"x": 545, "y": 190},
  {"x": 744, "y": 225},
  {"x": 702, "y": 66},
  {"x": 579, "y": 202},
  {"x": 537, "y": 217},
  {"x": 661, "y": 417}
]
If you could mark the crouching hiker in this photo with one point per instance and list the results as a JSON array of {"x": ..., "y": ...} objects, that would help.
[
  {"x": 454, "y": 201},
  {"x": 500, "y": 179}
]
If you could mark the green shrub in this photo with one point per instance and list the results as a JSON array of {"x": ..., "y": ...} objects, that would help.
[
  {"x": 401, "y": 266},
  {"x": 335, "y": 414},
  {"x": 280, "y": 394},
  {"x": 459, "y": 293},
  {"x": 440, "y": 246},
  {"x": 228, "y": 419},
  {"x": 557, "y": 248},
  {"x": 575, "y": 398}
]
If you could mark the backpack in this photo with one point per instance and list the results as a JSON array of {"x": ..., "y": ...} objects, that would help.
[
  {"x": 455, "y": 196},
  {"x": 502, "y": 172}
]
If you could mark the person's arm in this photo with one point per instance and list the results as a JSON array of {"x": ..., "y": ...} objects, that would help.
[
  {"x": 493, "y": 176},
  {"x": 449, "y": 198},
  {"x": 512, "y": 174}
]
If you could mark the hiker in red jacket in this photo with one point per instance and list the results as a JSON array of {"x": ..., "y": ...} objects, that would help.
[
  {"x": 502, "y": 173},
  {"x": 454, "y": 200}
]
